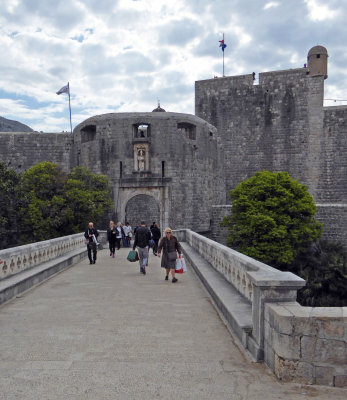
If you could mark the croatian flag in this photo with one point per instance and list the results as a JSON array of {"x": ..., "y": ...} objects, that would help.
[
  {"x": 64, "y": 89},
  {"x": 222, "y": 44}
]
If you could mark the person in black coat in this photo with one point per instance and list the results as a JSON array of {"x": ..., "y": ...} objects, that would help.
[
  {"x": 156, "y": 234},
  {"x": 111, "y": 237},
  {"x": 91, "y": 235}
]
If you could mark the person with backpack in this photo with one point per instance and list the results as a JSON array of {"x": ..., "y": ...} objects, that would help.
[{"x": 142, "y": 238}]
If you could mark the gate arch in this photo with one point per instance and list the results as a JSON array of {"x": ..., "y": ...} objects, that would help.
[{"x": 142, "y": 207}]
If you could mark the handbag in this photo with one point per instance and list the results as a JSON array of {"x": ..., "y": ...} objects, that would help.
[
  {"x": 180, "y": 266},
  {"x": 172, "y": 255},
  {"x": 133, "y": 256},
  {"x": 151, "y": 243}
]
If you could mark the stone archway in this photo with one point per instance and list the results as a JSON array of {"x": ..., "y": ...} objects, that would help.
[{"x": 142, "y": 207}]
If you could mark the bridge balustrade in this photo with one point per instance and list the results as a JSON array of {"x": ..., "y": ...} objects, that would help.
[{"x": 18, "y": 259}]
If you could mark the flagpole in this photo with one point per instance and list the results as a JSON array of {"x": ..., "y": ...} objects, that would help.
[
  {"x": 223, "y": 56},
  {"x": 68, "y": 87}
]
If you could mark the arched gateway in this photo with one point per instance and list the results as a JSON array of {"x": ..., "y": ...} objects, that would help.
[{"x": 142, "y": 207}]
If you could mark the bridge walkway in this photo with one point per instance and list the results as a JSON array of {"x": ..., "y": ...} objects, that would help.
[{"x": 105, "y": 331}]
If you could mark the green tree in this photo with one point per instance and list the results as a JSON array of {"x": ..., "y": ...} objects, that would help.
[
  {"x": 324, "y": 267},
  {"x": 89, "y": 198},
  {"x": 44, "y": 217},
  {"x": 272, "y": 218},
  {"x": 61, "y": 204},
  {"x": 11, "y": 199}
]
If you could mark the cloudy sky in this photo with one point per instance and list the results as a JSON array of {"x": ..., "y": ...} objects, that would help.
[{"x": 124, "y": 55}]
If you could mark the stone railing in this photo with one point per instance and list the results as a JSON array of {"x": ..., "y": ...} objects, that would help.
[
  {"x": 298, "y": 343},
  {"x": 17, "y": 259}
]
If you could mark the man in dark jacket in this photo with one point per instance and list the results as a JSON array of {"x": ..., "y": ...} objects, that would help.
[
  {"x": 142, "y": 238},
  {"x": 91, "y": 234},
  {"x": 156, "y": 235}
]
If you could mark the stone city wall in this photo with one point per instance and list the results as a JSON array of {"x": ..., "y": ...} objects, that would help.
[
  {"x": 305, "y": 344},
  {"x": 20, "y": 151}
]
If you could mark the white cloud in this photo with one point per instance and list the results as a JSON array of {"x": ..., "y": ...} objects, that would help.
[
  {"x": 271, "y": 4},
  {"x": 319, "y": 11},
  {"x": 122, "y": 55}
]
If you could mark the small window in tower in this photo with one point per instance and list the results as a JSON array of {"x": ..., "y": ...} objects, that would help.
[
  {"x": 318, "y": 55},
  {"x": 211, "y": 133},
  {"x": 88, "y": 133},
  {"x": 163, "y": 169},
  {"x": 120, "y": 169},
  {"x": 187, "y": 129},
  {"x": 142, "y": 130}
]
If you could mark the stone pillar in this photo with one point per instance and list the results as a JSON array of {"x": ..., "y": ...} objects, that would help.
[{"x": 270, "y": 287}]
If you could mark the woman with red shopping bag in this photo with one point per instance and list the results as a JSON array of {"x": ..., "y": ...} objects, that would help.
[{"x": 170, "y": 246}]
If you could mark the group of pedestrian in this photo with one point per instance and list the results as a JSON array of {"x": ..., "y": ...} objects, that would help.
[
  {"x": 117, "y": 234},
  {"x": 167, "y": 248}
]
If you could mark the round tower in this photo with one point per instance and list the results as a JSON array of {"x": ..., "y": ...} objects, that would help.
[{"x": 317, "y": 60}]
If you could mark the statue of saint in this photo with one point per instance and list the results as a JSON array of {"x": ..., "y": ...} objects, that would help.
[{"x": 141, "y": 160}]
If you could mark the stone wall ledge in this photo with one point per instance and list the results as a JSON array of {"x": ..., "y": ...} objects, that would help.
[
  {"x": 306, "y": 344},
  {"x": 13, "y": 285},
  {"x": 235, "y": 309}
]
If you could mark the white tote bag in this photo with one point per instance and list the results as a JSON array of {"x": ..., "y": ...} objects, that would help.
[{"x": 181, "y": 265}]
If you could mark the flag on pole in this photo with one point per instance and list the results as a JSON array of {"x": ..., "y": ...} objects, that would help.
[
  {"x": 222, "y": 44},
  {"x": 64, "y": 89}
]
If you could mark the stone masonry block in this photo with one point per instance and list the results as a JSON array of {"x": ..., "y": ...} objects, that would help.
[
  {"x": 324, "y": 375},
  {"x": 314, "y": 349},
  {"x": 291, "y": 370},
  {"x": 286, "y": 346},
  {"x": 331, "y": 328},
  {"x": 280, "y": 318},
  {"x": 340, "y": 381}
]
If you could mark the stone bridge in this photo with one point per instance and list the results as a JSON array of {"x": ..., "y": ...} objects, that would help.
[{"x": 229, "y": 329}]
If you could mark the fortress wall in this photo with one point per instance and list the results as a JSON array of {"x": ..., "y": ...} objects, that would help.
[
  {"x": 281, "y": 125},
  {"x": 20, "y": 151},
  {"x": 192, "y": 180},
  {"x": 265, "y": 126},
  {"x": 332, "y": 184}
]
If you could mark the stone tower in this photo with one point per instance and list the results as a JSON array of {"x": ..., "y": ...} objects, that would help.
[{"x": 317, "y": 60}]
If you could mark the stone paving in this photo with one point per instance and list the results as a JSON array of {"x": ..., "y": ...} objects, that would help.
[{"x": 105, "y": 331}]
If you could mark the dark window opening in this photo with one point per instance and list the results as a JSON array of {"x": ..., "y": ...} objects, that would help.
[
  {"x": 163, "y": 169},
  {"x": 88, "y": 133},
  {"x": 187, "y": 129},
  {"x": 142, "y": 130},
  {"x": 211, "y": 133},
  {"x": 120, "y": 169},
  {"x": 318, "y": 55}
]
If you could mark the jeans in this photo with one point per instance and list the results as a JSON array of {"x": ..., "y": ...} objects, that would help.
[{"x": 143, "y": 256}]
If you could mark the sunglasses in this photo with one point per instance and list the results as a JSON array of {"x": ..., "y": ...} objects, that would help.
[{"x": 168, "y": 233}]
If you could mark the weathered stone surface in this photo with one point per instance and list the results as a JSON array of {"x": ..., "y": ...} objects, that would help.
[
  {"x": 289, "y": 370},
  {"x": 324, "y": 375},
  {"x": 340, "y": 381},
  {"x": 314, "y": 349}
]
